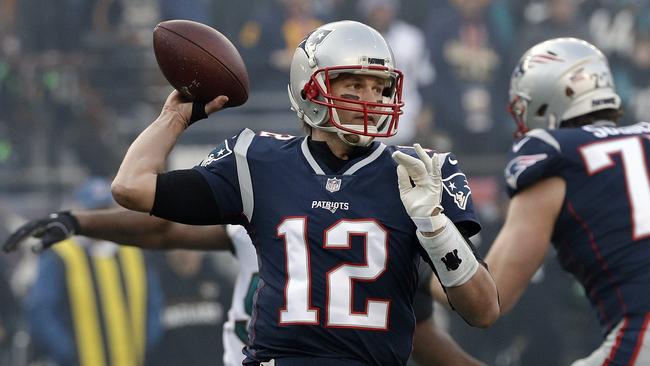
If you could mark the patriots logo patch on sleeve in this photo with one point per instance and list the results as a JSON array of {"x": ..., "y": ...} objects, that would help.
[
  {"x": 518, "y": 165},
  {"x": 218, "y": 153},
  {"x": 457, "y": 187}
]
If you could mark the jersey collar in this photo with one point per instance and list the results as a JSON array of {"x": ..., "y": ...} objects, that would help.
[
  {"x": 604, "y": 123},
  {"x": 370, "y": 155}
]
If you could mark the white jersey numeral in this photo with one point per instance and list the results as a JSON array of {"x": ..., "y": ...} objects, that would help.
[
  {"x": 340, "y": 280},
  {"x": 597, "y": 157},
  {"x": 298, "y": 287}
]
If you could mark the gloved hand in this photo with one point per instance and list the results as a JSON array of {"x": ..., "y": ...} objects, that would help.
[
  {"x": 50, "y": 230},
  {"x": 422, "y": 201}
]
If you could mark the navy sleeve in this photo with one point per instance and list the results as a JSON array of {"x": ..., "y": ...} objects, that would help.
[
  {"x": 457, "y": 197},
  {"x": 207, "y": 194},
  {"x": 531, "y": 160},
  {"x": 220, "y": 171}
]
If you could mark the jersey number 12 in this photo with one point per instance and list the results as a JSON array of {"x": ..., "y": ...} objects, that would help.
[{"x": 340, "y": 280}]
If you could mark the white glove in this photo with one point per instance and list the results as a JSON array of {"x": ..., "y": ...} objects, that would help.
[{"x": 422, "y": 202}]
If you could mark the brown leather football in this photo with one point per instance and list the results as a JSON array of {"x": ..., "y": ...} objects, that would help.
[{"x": 200, "y": 62}]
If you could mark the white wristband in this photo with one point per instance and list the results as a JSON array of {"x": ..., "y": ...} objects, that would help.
[{"x": 452, "y": 257}]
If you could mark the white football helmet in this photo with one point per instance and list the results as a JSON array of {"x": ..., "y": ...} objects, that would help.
[
  {"x": 557, "y": 80},
  {"x": 337, "y": 48}
]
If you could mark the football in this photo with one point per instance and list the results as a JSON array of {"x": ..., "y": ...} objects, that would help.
[{"x": 200, "y": 62}]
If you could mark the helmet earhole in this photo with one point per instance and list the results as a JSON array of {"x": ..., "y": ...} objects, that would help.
[
  {"x": 541, "y": 111},
  {"x": 569, "y": 92},
  {"x": 309, "y": 91}
]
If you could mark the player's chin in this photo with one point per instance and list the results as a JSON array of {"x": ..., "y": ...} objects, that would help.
[{"x": 352, "y": 138}]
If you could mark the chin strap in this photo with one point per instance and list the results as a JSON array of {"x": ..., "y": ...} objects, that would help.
[{"x": 363, "y": 140}]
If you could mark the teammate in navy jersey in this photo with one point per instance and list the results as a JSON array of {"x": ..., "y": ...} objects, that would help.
[
  {"x": 336, "y": 222},
  {"x": 581, "y": 183}
]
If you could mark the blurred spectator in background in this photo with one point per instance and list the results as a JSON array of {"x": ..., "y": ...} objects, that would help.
[
  {"x": 94, "y": 303},
  {"x": 552, "y": 19},
  {"x": 469, "y": 41},
  {"x": 10, "y": 316},
  {"x": 611, "y": 25},
  {"x": 12, "y": 153},
  {"x": 195, "y": 297},
  {"x": 61, "y": 70},
  {"x": 267, "y": 41},
  {"x": 7, "y": 15},
  {"x": 632, "y": 73},
  {"x": 639, "y": 69},
  {"x": 196, "y": 10},
  {"x": 412, "y": 57},
  {"x": 13, "y": 337}
]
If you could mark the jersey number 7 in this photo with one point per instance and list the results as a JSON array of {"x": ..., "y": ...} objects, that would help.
[{"x": 597, "y": 157}]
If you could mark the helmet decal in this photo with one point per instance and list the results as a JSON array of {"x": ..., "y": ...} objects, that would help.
[{"x": 313, "y": 39}]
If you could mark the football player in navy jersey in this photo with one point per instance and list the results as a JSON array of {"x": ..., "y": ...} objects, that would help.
[
  {"x": 578, "y": 181},
  {"x": 149, "y": 232},
  {"x": 338, "y": 220}
]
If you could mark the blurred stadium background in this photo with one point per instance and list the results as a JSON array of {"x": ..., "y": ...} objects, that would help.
[{"x": 78, "y": 81}]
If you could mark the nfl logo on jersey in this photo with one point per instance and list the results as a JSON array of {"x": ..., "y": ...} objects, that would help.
[{"x": 333, "y": 184}]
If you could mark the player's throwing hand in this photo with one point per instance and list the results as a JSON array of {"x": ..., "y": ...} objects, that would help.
[{"x": 191, "y": 112}]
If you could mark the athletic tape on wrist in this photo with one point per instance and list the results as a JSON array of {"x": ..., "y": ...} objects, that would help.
[
  {"x": 70, "y": 219},
  {"x": 430, "y": 224},
  {"x": 198, "y": 112},
  {"x": 453, "y": 259}
]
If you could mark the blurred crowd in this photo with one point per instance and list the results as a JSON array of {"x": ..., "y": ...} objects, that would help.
[
  {"x": 83, "y": 70},
  {"x": 78, "y": 80}
]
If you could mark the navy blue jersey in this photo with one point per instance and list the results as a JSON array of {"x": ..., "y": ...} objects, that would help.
[
  {"x": 337, "y": 252},
  {"x": 602, "y": 235}
]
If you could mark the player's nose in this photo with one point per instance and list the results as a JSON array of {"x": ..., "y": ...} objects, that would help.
[{"x": 368, "y": 94}]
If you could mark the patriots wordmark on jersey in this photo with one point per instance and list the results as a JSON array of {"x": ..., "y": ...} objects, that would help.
[{"x": 337, "y": 252}]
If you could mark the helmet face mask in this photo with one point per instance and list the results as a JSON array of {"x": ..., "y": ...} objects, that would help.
[
  {"x": 558, "y": 80},
  {"x": 338, "y": 48},
  {"x": 385, "y": 112}
]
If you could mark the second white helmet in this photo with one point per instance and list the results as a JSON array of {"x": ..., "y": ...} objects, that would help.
[{"x": 560, "y": 79}]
